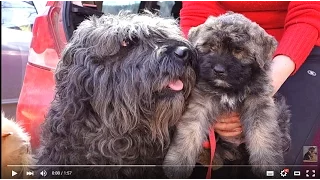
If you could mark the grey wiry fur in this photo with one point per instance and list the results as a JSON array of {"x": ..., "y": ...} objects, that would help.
[
  {"x": 234, "y": 63},
  {"x": 112, "y": 105}
]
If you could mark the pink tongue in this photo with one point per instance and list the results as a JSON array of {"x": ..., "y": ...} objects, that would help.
[{"x": 176, "y": 85}]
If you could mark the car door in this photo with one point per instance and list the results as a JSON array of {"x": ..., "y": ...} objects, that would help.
[{"x": 16, "y": 25}]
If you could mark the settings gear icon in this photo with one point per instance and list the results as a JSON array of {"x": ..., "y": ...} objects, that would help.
[{"x": 284, "y": 172}]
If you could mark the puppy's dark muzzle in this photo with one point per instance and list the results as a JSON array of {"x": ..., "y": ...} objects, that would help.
[{"x": 220, "y": 69}]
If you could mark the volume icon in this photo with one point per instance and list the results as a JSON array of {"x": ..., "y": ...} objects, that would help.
[{"x": 43, "y": 173}]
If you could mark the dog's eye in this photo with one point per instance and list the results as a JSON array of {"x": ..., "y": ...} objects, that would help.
[
  {"x": 125, "y": 43},
  {"x": 129, "y": 42}
]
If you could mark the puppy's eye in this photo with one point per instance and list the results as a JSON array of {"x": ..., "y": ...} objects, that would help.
[
  {"x": 238, "y": 50},
  {"x": 203, "y": 48},
  {"x": 213, "y": 47}
]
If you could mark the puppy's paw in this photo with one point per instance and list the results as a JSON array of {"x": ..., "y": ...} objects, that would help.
[
  {"x": 262, "y": 164},
  {"x": 178, "y": 172},
  {"x": 176, "y": 165}
]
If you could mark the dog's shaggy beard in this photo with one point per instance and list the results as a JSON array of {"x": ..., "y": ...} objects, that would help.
[{"x": 112, "y": 102}]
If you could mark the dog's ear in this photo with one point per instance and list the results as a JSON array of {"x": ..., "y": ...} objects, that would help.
[
  {"x": 264, "y": 54},
  {"x": 104, "y": 36}
]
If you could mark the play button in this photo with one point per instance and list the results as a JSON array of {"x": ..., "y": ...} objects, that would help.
[{"x": 13, "y": 173}]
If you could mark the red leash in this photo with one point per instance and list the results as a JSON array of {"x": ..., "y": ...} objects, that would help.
[{"x": 211, "y": 144}]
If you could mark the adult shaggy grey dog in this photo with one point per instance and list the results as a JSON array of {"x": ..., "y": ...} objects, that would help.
[
  {"x": 121, "y": 87},
  {"x": 234, "y": 62}
]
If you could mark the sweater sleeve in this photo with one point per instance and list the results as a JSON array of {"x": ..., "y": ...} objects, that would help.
[
  {"x": 301, "y": 31},
  {"x": 194, "y": 13}
]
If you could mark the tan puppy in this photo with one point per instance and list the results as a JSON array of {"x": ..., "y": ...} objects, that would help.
[{"x": 15, "y": 149}]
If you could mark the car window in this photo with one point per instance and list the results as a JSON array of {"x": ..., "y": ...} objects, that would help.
[
  {"x": 164, "y": 8},
  {"x": 40, "y": 6},
  {"x": 114, "y": 7},
  {"x": 18, "y": 15}
]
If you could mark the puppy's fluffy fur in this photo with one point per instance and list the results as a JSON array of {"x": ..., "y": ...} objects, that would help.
[
  {"x": 15, "y": 149},
  {"x": 234, "y": 64}
]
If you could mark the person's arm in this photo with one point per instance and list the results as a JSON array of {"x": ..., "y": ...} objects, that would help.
[
  {"x": 302, "y": 29},
  {"x": 194, "y": 13},
  {"x": 282, "y": 67}
]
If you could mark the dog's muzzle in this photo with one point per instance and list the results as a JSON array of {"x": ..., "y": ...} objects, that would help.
[{"x": 182, "y": 52}]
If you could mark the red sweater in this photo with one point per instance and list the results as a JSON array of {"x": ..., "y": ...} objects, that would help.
[{"x": 296, "y": 25}]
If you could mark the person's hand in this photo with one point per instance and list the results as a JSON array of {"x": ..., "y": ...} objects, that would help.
[
  {"x": 228, "y": 125},
  {"x": 281, "y": 68}
]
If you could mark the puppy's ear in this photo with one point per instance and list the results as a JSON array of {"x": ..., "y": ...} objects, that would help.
[
  {"x": 210, "y": 20},
  {"x": 193, "y": 34},
  {"x": 269, "y": 45}
]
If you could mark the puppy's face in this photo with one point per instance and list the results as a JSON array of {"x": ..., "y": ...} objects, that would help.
[
  {"x": 312, "y": 151},
  {"x": 232, "y": 49}
]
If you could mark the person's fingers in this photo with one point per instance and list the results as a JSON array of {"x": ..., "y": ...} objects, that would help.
[
  {"x": 230, "y": 118},
  {"x": 228, "y": 133},
  {"x": 232, "y": 114},
  {"x": 234, "y": 119},
  {"x": 227, "y": 126},
  {"x": 239, "y": 129}
]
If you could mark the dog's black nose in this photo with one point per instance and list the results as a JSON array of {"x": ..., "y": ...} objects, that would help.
[
  {"x": 220, "y": 69},
  {"x": 182, "y": 52}
]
